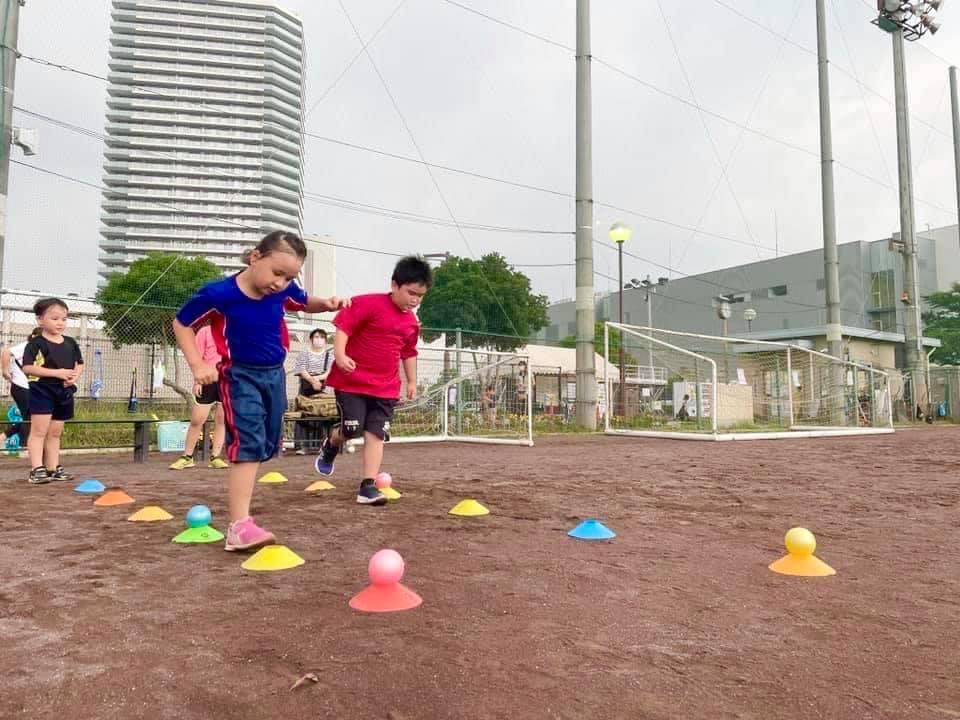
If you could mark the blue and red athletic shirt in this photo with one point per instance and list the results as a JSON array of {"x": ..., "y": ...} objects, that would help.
[{"x": 246, "y": 331}]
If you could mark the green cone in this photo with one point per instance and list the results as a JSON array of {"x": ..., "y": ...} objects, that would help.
[{"x": 204, "y": 534}]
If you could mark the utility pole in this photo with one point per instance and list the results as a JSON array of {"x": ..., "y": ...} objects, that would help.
[
  {"x": 831, "y": 260},
  {"x": 911, "y": 324},
  {"x": 10, "y": 12},
  {"x": 955, "y": 107},
  {"x": 586, "y": 371},
  {"x": 911, "y": 21}
]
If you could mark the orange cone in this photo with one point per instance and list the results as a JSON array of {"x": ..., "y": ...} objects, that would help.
[{"x": 113, "y": 496}]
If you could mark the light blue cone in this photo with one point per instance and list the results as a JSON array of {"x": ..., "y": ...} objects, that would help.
[{"x": 592, "y": 530}]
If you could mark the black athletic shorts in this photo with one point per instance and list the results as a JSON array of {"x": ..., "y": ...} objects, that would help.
[
  {"x": 363, "y": 413},
  {"x": 209, "y": 394}
]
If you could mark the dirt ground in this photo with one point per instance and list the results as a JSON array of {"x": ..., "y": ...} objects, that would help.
[{"x": 678, "y": 617}]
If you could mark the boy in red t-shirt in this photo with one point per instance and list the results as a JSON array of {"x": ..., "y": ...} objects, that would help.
[{"x": 374, "y": 335}]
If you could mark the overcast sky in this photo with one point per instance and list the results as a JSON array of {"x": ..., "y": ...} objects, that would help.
[{"x": 483, "y": 97}]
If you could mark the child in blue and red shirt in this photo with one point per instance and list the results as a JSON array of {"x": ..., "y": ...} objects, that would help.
[
  {"x": 246, "y": 314},
  {"x": 374, "y": 336}
]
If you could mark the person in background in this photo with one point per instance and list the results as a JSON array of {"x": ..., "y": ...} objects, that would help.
[
  {"x": 312, "y": 367},
  {"x": 11, "y": 364},
  {"x": 206, "y": 397}
]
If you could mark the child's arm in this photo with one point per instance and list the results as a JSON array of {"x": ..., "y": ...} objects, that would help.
[
  {"x": 40, "y": 371},
  {"x": 5, "y": 358},
  {"x": 410, "y": 371},
  {"x": 318, "y": 305},
  {"x": 203, "y": 374},
  {"x": 344, "y": 361}
]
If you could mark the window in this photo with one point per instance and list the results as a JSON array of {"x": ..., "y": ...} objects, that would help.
[
  {"x": 571, "y": 328},
  {"x": 777, "y": 291},
  {"x": 553, "y": 332},
  {"x": 821, "y": 284},
  {"x": 882, "y": 290}
]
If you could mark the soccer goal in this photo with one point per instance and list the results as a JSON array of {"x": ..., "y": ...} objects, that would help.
[
  {"x": 663, "y": 383},
  {"x": 468, "y": 396}
]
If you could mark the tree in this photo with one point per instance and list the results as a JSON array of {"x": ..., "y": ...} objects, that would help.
[
  {"x": 570, "y": 341},
  {"x": 138, "y": 307},
  {"x": 943, "y": 322},
  {"x": 479, "y": 296}
]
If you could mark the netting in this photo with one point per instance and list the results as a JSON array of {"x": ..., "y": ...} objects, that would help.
[
  {"x": 468, "y": 396},
  {"x": 660, "y": 381}
]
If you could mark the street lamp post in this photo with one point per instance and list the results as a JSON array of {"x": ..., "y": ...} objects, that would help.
[
  {"x": 908, "y": 21},
  {"x": 620, "y": 233},
  {"x": 749, "y": 315}
]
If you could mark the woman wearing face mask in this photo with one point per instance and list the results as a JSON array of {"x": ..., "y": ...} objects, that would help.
[{"x": 312, "y": 367}]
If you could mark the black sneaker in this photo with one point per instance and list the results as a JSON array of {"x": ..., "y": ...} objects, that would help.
[
  {"x": 38, "y": 476},
  {"x": 59, "y": 473},
  {"x": 325, "y": 460},
  {"x": 369, "y": 495}
]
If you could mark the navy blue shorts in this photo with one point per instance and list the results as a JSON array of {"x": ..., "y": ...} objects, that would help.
[
  {"x": 52, "y": 399},
  {"x": 254, "y": 400}
]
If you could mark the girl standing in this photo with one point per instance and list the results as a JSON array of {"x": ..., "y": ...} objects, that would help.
[{"x": 52, "y": 362}]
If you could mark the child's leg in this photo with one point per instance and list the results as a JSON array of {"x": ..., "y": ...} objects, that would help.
[
  {"x": 38, "y": 438},
  {"x": 51, "y": 445},
  {"x": 240, "y": 484},
  {"x": 372, "y": 454},
  {"x": 198, "y": 416},
  {"x": 219, "y": 430}
]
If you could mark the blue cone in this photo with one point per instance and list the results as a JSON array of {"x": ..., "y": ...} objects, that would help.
[
  {"x": 90, "y": 487},
  {"x": 592, "y": 530}
]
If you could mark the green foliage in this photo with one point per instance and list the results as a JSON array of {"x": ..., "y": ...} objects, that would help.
[
  {"x": 570, "y": 341},
  {"x": 943, "y": 322},
  {"x": 139, "y": 306},
  {"x": 465, "y": 295}
]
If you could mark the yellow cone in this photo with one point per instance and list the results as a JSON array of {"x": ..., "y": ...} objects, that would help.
[
  {"x": 468, "y": 508},
  {"x": 151, "y": 513},
  {"x": 800, "y": 560},
  {"x": 273, "y": 557},
  {"x": 318, "y": 486},
  {"x": 273, "y": 477},
  {"x": 390, "y": 494}
]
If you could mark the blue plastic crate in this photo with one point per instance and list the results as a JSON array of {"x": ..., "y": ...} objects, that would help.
[{"x": 172, "y": 436}]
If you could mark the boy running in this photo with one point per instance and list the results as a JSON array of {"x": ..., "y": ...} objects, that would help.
[{"x": 374, "y": 336}]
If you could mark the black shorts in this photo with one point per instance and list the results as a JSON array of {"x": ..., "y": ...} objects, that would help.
[
  {"x": 363, "y": 413},
  {"x": 209, "y": 394},
  {"x": 52, "y": 399}
]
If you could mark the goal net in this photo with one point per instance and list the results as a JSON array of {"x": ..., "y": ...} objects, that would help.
[
  {"x": 684, "y": 385},
  {"x": 467, "y": 396}
]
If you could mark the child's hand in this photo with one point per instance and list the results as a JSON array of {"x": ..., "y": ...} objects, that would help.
[
  {"x": 346, "y": 363},
  {"x": 64, "y": 374},
  {"x": 204, "y": 374},
  {"x": 411, "y": 392},
  {"x": 335, "y": 303}
]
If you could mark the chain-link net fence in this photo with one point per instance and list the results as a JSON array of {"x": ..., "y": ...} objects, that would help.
[{"x": 673, "y": 382}]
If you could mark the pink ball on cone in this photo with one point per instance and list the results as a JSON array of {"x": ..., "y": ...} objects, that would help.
[
  {"x": 383, "y": 480},
  {"x": 385, "y": 567}
]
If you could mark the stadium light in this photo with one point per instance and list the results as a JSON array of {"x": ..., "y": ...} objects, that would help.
[{"x": 915, "y": 19}]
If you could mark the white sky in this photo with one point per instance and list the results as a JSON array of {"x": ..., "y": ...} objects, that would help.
[{"x": 482, "y": 97}]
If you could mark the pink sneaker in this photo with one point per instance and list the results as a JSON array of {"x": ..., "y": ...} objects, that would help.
[{"x": 246, "y": 535}]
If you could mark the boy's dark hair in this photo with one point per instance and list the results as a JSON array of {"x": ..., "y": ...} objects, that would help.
[
  {"x": 318, "y": 331},
  {"x": 278, "y": 241},
  {"x": 413, "y": 270},
  {"x": 41, "y": 306}
]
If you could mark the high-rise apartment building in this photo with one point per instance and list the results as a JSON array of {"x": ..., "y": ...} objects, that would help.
[{"x": 204, "y": 149}]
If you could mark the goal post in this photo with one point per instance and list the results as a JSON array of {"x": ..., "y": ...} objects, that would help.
[
  {"x": 469, "y": 396},
  {"x": 665, "y": 383}
]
